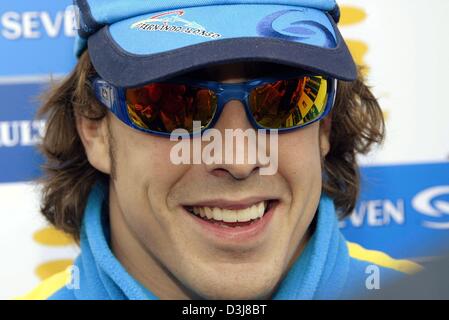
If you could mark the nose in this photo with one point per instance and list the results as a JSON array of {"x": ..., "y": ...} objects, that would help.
[{"x": 239, "y": 143}]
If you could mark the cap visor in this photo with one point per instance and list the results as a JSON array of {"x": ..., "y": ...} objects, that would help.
[{"x": 158, "y": 46}]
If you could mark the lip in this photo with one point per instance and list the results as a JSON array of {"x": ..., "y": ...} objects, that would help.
[{"x": 241, "y": 235}]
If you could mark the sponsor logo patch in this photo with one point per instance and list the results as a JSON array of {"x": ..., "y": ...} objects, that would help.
[
  {"x": 294, "y": 25},
  {"x": 173, "y": 21}
]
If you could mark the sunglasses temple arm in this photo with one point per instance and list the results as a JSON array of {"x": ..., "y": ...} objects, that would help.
[
  {"x": 106, "y": 94},
  {"x": 335, "y": 90}
]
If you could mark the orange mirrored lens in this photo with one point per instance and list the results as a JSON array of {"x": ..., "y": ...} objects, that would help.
[
  {"x": 164, "y": 107},
  {"x": 289, "y": 103}
]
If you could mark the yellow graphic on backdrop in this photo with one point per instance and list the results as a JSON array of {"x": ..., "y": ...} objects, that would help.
[
  {"x": 359, "y": 49},
  {"x": 351, "y": 16},
  {"x": 47, "y": 269},
  {"x": 49, "y": 236}
]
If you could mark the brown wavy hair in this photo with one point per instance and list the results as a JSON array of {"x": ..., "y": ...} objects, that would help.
[{"x": 357, "y": 124}]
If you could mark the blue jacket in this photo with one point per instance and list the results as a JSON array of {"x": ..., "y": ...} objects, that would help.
[{"x": 329, "y": 267}]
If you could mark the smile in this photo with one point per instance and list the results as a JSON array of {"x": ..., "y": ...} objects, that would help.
[
  {"x": 231, "y": 217},
  {"x": 233, "y": 221}
]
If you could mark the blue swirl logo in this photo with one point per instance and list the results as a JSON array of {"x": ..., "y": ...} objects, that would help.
[
  {"x": 431, "y": 203},
  {"x": 285, "y": 25}
]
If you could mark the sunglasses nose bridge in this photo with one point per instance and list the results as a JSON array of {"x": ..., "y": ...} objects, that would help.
[{"x": 232, "y": 94}]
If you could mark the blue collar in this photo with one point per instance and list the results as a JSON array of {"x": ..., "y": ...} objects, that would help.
[{"x": 319, "y": 273}]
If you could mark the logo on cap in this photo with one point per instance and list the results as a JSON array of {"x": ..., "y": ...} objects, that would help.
[
  {"x": 295, "y": 25},
  {"x": 172, "y": 21}
]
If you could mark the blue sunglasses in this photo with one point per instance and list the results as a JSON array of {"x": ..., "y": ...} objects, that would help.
[{"x": 284, "y": 103}]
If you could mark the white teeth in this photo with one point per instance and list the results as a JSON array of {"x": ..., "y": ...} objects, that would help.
[
  {"x": 244, "y": 215},
  {"x": 209, "y": 213},
  {"x": 262, "y": 206},
  {"x": 251, "y": 213},
  {"x": 202, "y": 212},
  {"x": 217, "y": 214},
  {"x": 229, "y": 215}
]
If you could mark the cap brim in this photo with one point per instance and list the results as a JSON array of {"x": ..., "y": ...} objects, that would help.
[{"x": 158, "y": 46}]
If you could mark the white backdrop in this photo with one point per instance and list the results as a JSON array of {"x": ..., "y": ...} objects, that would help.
[{"x": 404, "y": 44}]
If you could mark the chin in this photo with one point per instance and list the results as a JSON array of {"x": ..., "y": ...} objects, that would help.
[
  {"x": 237, "y": 286},
  {"x": 239, "y": 292}
]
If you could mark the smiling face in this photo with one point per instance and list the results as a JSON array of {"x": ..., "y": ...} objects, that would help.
[{"x": 157, "y": 231}]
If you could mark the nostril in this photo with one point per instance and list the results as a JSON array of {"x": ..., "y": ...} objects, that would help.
[
  {"x": 220, "y": 172},
  {"x": 237, "y": 172}
]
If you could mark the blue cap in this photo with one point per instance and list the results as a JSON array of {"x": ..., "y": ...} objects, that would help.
[{"x": 132, "y": 42}]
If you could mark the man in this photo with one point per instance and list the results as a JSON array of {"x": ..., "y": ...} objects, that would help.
[{"x": 152, "y": 227}]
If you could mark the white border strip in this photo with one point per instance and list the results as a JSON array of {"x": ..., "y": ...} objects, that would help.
[{"x": 40, "y": 78}]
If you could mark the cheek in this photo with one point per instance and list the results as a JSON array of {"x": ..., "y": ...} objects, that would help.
[
  {"x": 300, "y": 167},
  {"x": 299, "y": 158},
  {"x": 145, "y": 174},
  {"x": 144, "y": 179}
]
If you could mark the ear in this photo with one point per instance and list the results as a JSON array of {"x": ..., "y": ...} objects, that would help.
[
  {"x": 94, "y": 136},
  {"x": 325, "y": 131}
]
